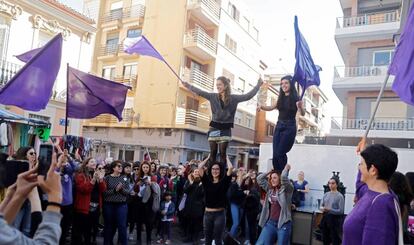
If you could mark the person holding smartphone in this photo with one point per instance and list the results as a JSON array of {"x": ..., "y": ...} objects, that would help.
[
  {"x": 115, "y": 207},
  {"x": 89, "y": 186},
  {"x": 23, "y": 218}
]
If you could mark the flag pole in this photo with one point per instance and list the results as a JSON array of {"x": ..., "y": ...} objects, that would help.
[
  {"x": 377, "y": 104},
  {"x": 67, "y": 98}
]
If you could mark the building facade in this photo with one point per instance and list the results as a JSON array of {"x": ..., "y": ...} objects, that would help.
[
  {"x": 26, "y": 25},
  {"x": 365, "y": 40},
  {"x": 201, "y": 40}
]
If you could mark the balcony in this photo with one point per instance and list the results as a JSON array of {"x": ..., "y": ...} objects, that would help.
[
  {"x": 198, "y": 79},
  {"x": 192, "y": 119},
  {"x": 365, "y": 28},
  {"x": 110, "y": 50},
  {"x": 200, "y": 44},
  {"x": 360, "y": 78},
  {"x": 207, "y": 11},
  {"x": 107, "y": 119},
  {"x": 128, "y": 80},
  {"x": 115, "y": 16},
  {"x": 7, "y": 71},
  {"x": 379, "y": 123}
]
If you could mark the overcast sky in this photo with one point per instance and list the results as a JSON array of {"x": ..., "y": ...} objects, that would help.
[{"x": 274, "y": 19}]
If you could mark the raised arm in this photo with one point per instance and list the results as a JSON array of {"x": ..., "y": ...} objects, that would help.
[
  {"x": 250, "y": 94},
  {"x": 229, "y": 166},
  {"x": 285, "y": 182},
  {"x": 299, "y": 105},
  {"x": 202, "y": 164},
  {"x": 197, "y": 91},
  {"x": 262, "y": 181}
]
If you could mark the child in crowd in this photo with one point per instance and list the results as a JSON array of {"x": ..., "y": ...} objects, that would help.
[{"x": 167, "y": 210}]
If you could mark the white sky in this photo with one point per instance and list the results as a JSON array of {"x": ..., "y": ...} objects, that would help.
[{"x": 274, "y": 19}]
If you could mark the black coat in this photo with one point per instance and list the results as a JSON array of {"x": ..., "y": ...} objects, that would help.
[{"x": 194, "y": 204}]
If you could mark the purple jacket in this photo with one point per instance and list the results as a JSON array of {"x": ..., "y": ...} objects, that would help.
[{"x": 373, "y": 220}]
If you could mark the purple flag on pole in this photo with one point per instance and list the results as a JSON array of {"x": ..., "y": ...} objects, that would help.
[
  {"x": 90, "y": 96},
  {"x": 142, "y": 46},
  {"x": 306, "y": 72},
  {"x": 402, "y": 65},
  {"x": 31, "y": 87},
  {"x": 25, "y": 57}
]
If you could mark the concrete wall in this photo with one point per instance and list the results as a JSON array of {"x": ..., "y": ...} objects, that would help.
[{"x": 318, "y": 162}]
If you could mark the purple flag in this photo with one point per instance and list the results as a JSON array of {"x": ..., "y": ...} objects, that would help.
[
  {"x": 402, "y": 65},
  {"x": 306, "y": 72},
  {"x": 142, "y": 46},
  {"x": 31, "y": 87},
  {"x": 25, "y": 57},
  {"x": 90, "y": 96}
]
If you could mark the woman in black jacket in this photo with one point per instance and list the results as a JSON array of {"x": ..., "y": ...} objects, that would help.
[
  {"x": 194, "y": 205},
  {"x": 236, "y": 198}
]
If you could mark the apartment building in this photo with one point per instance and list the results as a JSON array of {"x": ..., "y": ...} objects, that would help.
[{"x": 201, "y": 40}]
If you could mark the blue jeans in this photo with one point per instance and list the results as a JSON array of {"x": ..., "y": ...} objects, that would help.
[
  {"x": 271, "y": 233},
  {"x": 283, "y": 140},
  {"x": 236, "y": 215},
  {"x": 115, "y": 217},
  {"x": 22, "y": 222}
]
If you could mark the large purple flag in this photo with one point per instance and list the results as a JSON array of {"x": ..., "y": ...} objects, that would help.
[
  {"x": 402, "y": 65},
  {"x": 31, "y": 87},
  {"x": 90, "y": 96},
  {"x": 25, "y": 57},
  {"x": 306, "y": 72},
  {"x": 142, "y": 46}
]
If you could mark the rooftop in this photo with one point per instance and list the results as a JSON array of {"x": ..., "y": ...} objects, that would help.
[{"x": 70, "y": 10}]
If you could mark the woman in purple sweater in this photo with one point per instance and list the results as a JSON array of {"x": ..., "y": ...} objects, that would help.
[{"x": 375, "y": 217}]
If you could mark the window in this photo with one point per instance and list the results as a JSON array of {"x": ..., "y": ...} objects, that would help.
[
  {"x": 43, "y": 38},
  {"x": 270, "y": 129},
  {"x": 108, "y": 72},
  {"x": 168, "y": 132},
  {"x": 130, "y": 70},
  {"x": 116, "y": 10},
  {"x": 230, "y": 44},
  {"x": 383, "y": 58},
  {"x": 134, "y": 33},
  {"x": 126, "y": 155},
  {"x": 192, "y": 137},
  {"x": 249, "y": 121},
  {"x": 112, "y": 44},
  {"x": 4, "y": 36},
  {"x": 234, "y": 12},
  {"x": 238, "y": 117}
]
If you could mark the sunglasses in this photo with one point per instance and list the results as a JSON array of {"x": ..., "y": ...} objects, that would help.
[
  {"x": 135, "y": 169},
  {"x": 32, "y": 153},
  {"x": 119, "y": 166},
  {"x": 99, "y": 168}
]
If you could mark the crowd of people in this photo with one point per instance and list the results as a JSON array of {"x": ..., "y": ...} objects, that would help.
[{"x": 208, "y": 203}]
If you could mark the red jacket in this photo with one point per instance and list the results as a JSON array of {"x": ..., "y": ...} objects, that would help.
[{"x": 83, "y": 193}]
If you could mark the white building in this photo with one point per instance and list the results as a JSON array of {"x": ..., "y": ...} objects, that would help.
[{"x": 29, "y": 24}]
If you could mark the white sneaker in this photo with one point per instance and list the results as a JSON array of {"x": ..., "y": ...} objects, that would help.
[{"x": 131, "y": 237}]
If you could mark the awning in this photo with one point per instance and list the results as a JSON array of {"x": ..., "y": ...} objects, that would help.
[{"x": 10, "y": 116}]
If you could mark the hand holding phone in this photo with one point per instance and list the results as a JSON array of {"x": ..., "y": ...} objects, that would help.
[{"x": 45, "y": 158}]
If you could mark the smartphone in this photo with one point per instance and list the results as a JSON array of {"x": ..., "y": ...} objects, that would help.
[
  {"x": 45, "y": 158},
  {"x": 9, "y": 171}
]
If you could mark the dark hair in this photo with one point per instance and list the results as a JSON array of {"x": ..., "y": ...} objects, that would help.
[
  {"x": 114, "y": 163},
  {"x": 383, "y": 158},
  {"x": 336, "y": 180},
  {"x": 21, "y": 153},
  {"x": 401, "y": 187},
  {"x": 167, "y": 193},
  {"x": 293, "y": 94},
  {"x": 227, "y": 90},
  {"x": 410, "y": 178}
]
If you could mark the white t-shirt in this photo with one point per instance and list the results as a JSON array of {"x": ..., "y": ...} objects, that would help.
[{"x": 164, "y": 218}]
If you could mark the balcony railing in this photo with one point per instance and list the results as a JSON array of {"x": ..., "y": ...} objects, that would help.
[
  {"x": 127, "y": 117},
  {"x": 380, "y": 123},
  {"x": 118, "y": 14},
  {"x": 199, "y": 78},
  {"x": 134, "y": 11},
  {"x": 192, "y": 117},
  {"x": 212, "y": 6},
  {"x": 128, "y": 80},
  {"x": 360, "y": 71},
  {"x": 368, "y": 19},
  {"x": 7, "y": 71},
  {"x": 198, "y": 37},
  {"x": 110, "y": 49}
]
